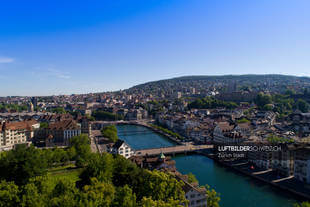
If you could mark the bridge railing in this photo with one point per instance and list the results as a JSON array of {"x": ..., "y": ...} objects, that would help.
[
  {"x": 161, "y": 148},
  {"x": 188, "y": 147}
]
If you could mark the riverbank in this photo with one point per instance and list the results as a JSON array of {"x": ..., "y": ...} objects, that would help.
[
  {"x": 172, "y": 138},
  {"x": 291, "y": 185},
  {"x": 234, "y": 187},
  {"x": 141, "y": 137}
]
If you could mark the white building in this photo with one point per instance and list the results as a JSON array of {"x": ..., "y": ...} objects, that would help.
[
  {"x": 196, "y": 196},
  {"x": 122, "y": 148},
  {"x": 12, "y": 133}
]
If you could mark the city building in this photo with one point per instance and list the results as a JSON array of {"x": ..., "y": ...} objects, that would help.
[
  {"x": 283, "y": 160},
  {"x": 225, "y": 133},
  {"x": 122, "y": 148},
  {"x": 13, "y": 133},
  {"x": 58, "y": 133},
  {"x": 195, "y": 194},
  {"x": 302, "y": 165}
]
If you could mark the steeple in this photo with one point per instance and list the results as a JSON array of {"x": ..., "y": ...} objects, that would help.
[{"x": 162, "y": 157}]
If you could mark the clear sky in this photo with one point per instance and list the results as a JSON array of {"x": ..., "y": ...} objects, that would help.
[{"x": 70, "y": 46}]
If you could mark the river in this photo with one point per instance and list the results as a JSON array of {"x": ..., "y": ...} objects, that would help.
[
  {"x": 139, "y": 137},
  {"x": 234, "y": 188}
]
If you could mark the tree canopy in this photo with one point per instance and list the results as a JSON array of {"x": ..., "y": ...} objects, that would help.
[
  {"x": 106, "y": 116},
  {"x": 110, "y": 132},
  {"x": 211, "y": 103},
  {"x": 30, "y": 177}
]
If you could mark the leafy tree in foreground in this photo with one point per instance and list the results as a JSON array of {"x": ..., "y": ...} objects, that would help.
[
  {"x": 80, "y": 146},
  {"x": 100, "y": 167},
  {"x": 31, "y": 196},
  {"x": 303, "y": 204},
  {"x": 99, "y": 193},
  {"x": 213, "y": 197},
  {"x": 148, "y": 202},
  {"x": 8, "y": 194},
  {"x": 22, "y": 163},
  {"x": 192, "y": 178},
  {"x": 105, "y": 180},
  {"x": 125, "y": 197}
]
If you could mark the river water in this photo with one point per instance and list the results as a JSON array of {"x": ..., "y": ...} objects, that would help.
[
  {"x": 139, "y": 137},
  {"x": 234, "y": 188}
]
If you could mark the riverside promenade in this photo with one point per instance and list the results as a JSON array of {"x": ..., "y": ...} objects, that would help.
[
  {"x": 289, "y": 184},
  {"x": 145, "y": 123}
]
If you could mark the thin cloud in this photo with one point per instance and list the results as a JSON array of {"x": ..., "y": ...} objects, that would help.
[
  {"x": 50, "y": 72},
  {"x": 59, "y": 74},
  {"x": 6, "y": 60}
]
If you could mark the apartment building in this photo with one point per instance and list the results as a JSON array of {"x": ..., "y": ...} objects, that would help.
[
  {"x": 58, "y": 133},
  {"x": 262, "y": 159},
  {"x": 195, "y": 194},
  {"x": 302, "y": 165},
  {"x": 13, "y": 133},
  {"x": 283, "y": 160}
]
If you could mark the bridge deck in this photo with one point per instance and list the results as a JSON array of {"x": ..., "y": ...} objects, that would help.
[{"x": 172, "y": 150}]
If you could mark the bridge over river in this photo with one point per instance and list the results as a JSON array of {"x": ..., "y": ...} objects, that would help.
[
  {"x": 180, "y": 149},
  {"x": 100, "y": 124}
]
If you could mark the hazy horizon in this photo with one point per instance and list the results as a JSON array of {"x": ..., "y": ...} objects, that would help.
[
  {"x": 154, "y": 81},
  {"x": 56, "y": 47}
]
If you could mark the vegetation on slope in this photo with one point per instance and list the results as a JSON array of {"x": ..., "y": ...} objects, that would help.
[
  {"x": 78, "y": 177},
  {"x": 211, "y": 103},
  {"x": 167, "y": 131},
  {"x": 110, "y": 132},
  {"x": 106, "y": 116}
]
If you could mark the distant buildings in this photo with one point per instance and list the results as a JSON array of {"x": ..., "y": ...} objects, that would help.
[
  {"x": 134, "y": 114},
  {"x": 178, "y": 95},
  {"x": 301, "y": 123}
]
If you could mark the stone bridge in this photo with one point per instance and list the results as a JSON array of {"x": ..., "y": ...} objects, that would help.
[{"x": 180, "y": 149}]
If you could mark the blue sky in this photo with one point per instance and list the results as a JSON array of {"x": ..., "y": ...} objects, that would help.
[{"x": 63, "y": 47}]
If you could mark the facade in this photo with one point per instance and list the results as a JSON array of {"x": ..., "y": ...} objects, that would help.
[
  {"x": 302, "y": 165},
  {"x": 301, "y": 123},
  {"x": 86, "y": 127},
  {"x": 122, "y": 148},
  {"x": 195, "y": 195},
  {"x": 283, "y": 161},
  {"x": 58, "y": 133},
  {"x": 13, "y": 133},
  {"x": 261, "y": 159},
  {"x": 226, "y": 134},
  {"x": 135, "y": 114}
]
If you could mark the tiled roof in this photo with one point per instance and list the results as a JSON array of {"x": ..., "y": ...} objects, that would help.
[
  {"x": 63, "y": 125},
  {"x": 225, "y": 126},
  {"x": 18, "y": 125},
  {"x": 118, "y": 144}
]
